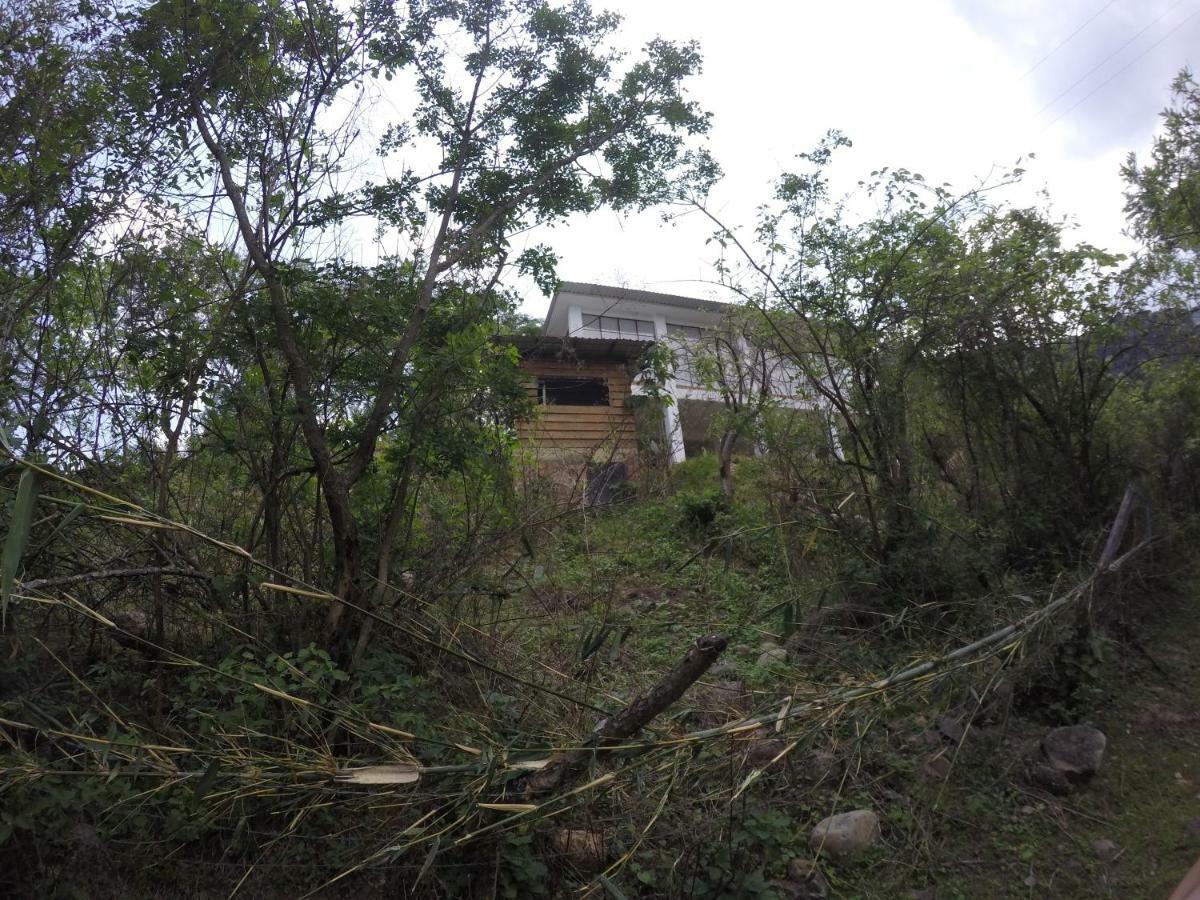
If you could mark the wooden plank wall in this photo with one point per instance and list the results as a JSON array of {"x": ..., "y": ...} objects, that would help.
[{"x": 557, "y": 427}]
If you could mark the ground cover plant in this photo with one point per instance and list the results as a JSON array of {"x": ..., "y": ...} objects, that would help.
[{"x": 286, "y": 611}]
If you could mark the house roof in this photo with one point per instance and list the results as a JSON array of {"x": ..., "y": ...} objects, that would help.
[
  {"x": 576, "y": 347},
  {"x": 632, "y": 295}
]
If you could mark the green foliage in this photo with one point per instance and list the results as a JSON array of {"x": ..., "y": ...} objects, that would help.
[
  {"x": 739, "y": 863},
  {"x": 17, "y": 538},
  {"x": 1163, "y": 201},
  {"x": 228, "y": 697},
  {"x": 522, "y": 872},
  {"x": 701, "y": 513}
]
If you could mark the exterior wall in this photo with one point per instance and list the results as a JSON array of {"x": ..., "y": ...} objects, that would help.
[
  {"x": 576, "y": 434},
  {"x": 568, "y": 312}
]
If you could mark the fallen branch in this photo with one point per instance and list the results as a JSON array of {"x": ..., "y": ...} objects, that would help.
[
  {"x": 631, "y": 719},
  {"x": 114, "y": 573}
]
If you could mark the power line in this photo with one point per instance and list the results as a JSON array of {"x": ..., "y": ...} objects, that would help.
[
  {"x": 1068, "y": 38},
  {"x": 1102, "y": 62},
  {"x": 1125, "y": 67}
]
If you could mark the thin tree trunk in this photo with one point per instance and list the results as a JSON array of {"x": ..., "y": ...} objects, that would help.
[{"x": 725, "y": 457}]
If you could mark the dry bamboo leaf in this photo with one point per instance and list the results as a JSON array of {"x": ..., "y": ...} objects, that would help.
[
  {"x": 141, "y": 523},
  {"x": 385, "y": 773},
  {"x": 394, "y": 732},
  {"x": 509, "y": 807},
  {"x": 286, "y": 589},
  {"x": 531, "y": 765},
  {"x": 280, "y": 694},
  {"x": 783, "y": 711}
]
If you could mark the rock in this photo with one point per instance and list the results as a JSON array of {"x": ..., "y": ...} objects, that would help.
[
  {"x": 768, "y": 644},
  {"x": 805, "y": 881},
  {"x": 1193, "y": 828},
  {"x": 762, "y": 752},
  {"x": 794, "y": 890},
  {"x": 1075, "y": 750},
  {"x": 743, "y": 649},
  {"x": 839, "y": 616},
  {"x": 922, "y": 894},
  {"x": 85, "y": 836},
  {"x": 997, "y": 703},
  {"x": 776, "y": 656},
  {"x": 729, "y": 693},
  {"x": 1106, "y": 850},
  {"x": 1049, "y": 778},
  {"x": 951, "y": 728},
  {"x": 722, "y": 667},
  {"x": 936, "y": 768},
  {"x": 824, "y": 765},
  {"x": 581, "y": 847},
  {"x": 846, "y": 833}
]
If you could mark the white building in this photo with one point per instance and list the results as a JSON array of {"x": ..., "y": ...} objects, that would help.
[{"x": 593, "y": 312}]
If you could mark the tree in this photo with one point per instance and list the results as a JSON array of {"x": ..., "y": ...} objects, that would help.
[
  {"x": 527, "y": 109},
  {"x": 735, "y": 359},
  {"x": 74, "y": 148},
  {"x": 951, "y": 343},
  {"x": 1163, "y": 198}
]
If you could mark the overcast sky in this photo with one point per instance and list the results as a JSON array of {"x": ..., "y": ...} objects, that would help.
[{"x": 947, "y": 88}]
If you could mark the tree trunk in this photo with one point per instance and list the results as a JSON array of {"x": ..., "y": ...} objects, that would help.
[{"x": 725, "y": 457}]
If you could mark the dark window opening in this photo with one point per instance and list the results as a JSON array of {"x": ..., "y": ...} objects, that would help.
[{"x": 573, "y": 391}]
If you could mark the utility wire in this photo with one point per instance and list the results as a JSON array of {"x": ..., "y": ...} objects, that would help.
[
  {"x": 1074, "y": 84},
  {"x": 1068, "y": 38},
  {"x": 1123, "y": 68}
]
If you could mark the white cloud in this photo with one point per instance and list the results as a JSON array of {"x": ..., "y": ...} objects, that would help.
[{"x": 941, "y": 87}]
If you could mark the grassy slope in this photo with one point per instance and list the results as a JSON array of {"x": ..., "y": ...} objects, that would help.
[{"x": 981, "y": 831}]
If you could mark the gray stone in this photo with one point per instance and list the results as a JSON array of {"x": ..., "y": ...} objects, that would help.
[
  {"x": 1049, "y": 778},
  {"x": 722, "y": 667},
  {"x": 762, "y": 752},
  {"x": 805, "y": 881},
  {"x": 951, "y": 728},
  {"x": 1106, "y": 850},
  {"x": 729, "y": 693},
  {"x": 583, "y": 848},
  {"x": 846, "y": 833},
  {"x": 776, "y": 656},
  {"x": 1075, "y": 750},
  {"x": 996, "y": 704},
  {"x": 937, "y": 767},
  {"x": 824, "y": 765},
  {"x": 786, "y": 889}
]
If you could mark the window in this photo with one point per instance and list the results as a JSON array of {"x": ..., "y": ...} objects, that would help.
[
  {"x": 614, "y": 327},
  {"x": 687, "y": 332},
  {"x": 684, "y": 340},
  {"x": 572, "y": 391}
]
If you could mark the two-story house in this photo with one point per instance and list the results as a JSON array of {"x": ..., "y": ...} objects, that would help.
[{"x": 583, "y": 372}]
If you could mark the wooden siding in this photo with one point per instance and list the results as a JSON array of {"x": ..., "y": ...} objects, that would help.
[{"x": 579, "y": 428}]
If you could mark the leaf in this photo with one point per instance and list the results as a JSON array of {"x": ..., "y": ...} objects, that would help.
[
  {"x": 67, "y": 520},
  {"x": 429, "y": 857},
  {"x": 207, "y": 781},
  {"x": 530, "y": 764},
  {"x": 18, "y": 538},
  {"x": 300, "y": 592},
  {"x": 614, "y": 891},
  {"x": 385, "y": 773},
  {"x": 509, "y": 807}
]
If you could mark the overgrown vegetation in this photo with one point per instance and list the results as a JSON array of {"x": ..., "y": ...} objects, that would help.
[{"x": 286, "y": 613}]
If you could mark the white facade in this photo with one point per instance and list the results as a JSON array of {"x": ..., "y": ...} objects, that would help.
[{"x": 600, "y": 311}]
